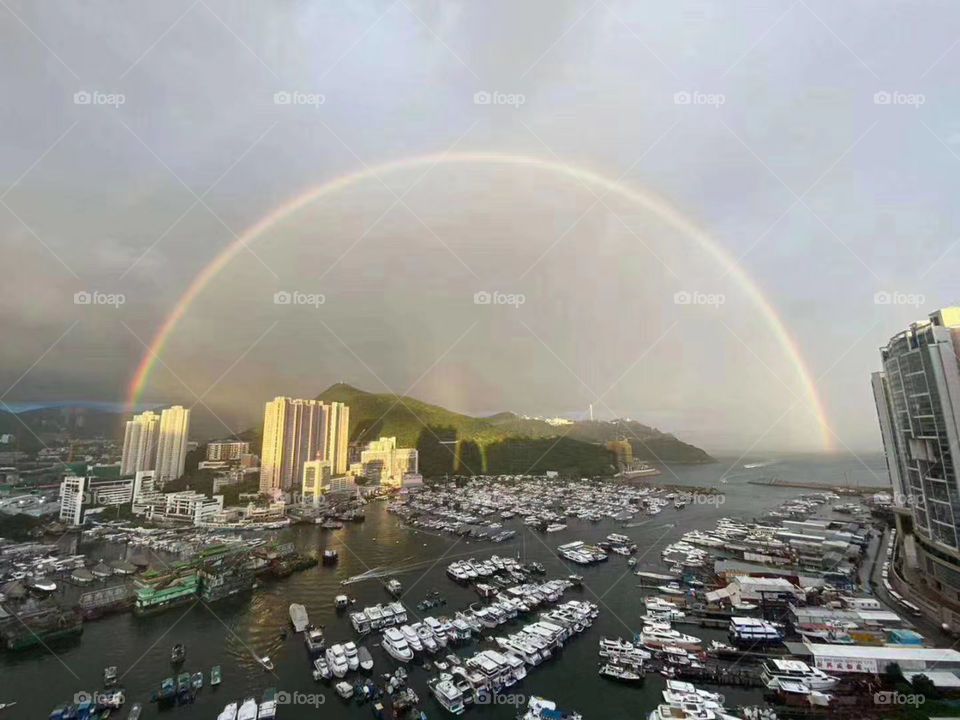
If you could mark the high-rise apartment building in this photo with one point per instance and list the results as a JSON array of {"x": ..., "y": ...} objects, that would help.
[
  {"x": 172, "y": 443},
  {"x": 297, "y": 431},
  {"x": 918, "y": 404},
  {"x": 140, "y": 443},
  {"x": 386, "y": 464}
]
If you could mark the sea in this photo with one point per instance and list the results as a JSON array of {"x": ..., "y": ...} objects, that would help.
[{"x": 232, "y": 633}]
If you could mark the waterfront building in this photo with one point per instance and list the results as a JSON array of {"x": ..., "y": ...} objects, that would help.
[
  {"x": 79, "y": 492},
  {"x": 386, "y": 464},
  {"x": 227, "y": 450},
  {"x": 298, "y": 431},
  {"x": 917, "y": 394},
  {"x": 185, "y": 506},
  {"x": 172, "y": 443},
  {"x": 316, "y": 478},
  {"x": 140, "y": 443}
]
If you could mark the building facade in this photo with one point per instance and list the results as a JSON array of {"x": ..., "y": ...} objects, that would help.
[
  {"x": 140, "y": 443},
  {"x": 227, "y": 450},
  {"x": 386, "y": 464},
  {"x": 918, "y": 404},
  {"x": 172, "y": 445},
  {"x": 299, "y": 431}
]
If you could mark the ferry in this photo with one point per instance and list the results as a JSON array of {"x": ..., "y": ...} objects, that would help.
[{"x": 773, "y": 671}]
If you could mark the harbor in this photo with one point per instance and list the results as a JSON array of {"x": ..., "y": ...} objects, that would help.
[{"x": 238, "y": 631}]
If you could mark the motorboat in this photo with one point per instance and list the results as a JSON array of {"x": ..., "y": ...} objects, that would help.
[
  {"x": 353, "y": 658},
  {"x": 341, "y": 601},
  {"x": 410, "y": 635},
  {"x": 337, "y": 660},
  {"x": 396, "y": 645},
  {"x": 321, "y": 670},
  {"x": 447, "y": 693},
  {"x": 658, "y": 636},
  {"x": 298, "y": 617},
  {"x": 229, "y": 712},
  {"x": 344, "y": 689},
  {"x": 266, "y": 662},
  {"x": 268, "y": 705},
  {"x": 366, "y": 659},
  {"x": 426, "y": 637},
  {"x": 814, "y": 678},
  {"x": 248, "y": 710},
  {"x": 539, "y": 708},
  {"x": 313, "y": 639},
  {"x": 619, "y": 672}
]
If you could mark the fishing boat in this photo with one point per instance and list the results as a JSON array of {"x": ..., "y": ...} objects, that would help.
[
  {"x": 196, "y": 680},
  {"x": 298, "y": 616},
  {"x": 215, "y": 675},
  {"x": 168, "y": 690},
  {"x": 183, "y": 685},
  {"x": 110, "y": 676},
  {"x": 178, "y": 654}
]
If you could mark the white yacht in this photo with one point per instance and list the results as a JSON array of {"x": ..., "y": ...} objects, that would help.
[
  {"x": 337, "y": 660},
  {"x": 410, "y": 635},
  {"x": 772, "y": 671},
  {"x": 350, "y": 650},
  {"x": 447, "y": 693},
  {"x": 396, "y": 645},
  {"x": 658, "y": 636},
  {"x": 248, "y": 710},
  {"x": 229, "y": 712},
  {"x": 539, "y": 709},
  {"x": 426, "y": 637},
  {"x": 439, "y": 629}
]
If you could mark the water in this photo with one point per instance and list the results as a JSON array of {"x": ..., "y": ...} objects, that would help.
[{"x": 231, "y": 633}]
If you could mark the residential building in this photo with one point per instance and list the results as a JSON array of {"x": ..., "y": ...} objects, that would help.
[
  {"x": 140, "y": 443},
  {"x": 299, "y": 431},
  {"x": 316, "y": 477},
  {"x": 80, "y": 492},
  {"x": 71, "y": 499},
  {"x": 172, "y": 444},
  {"x": 386, "y": 464},
  {"x": 227, "y": 450},
  {"x": 917, "y": 394}
]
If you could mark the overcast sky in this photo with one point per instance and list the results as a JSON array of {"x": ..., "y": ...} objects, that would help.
[{"x": 817, "y": 142}]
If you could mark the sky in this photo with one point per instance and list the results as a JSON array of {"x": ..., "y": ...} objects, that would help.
[{"x": 638, "y": 189}]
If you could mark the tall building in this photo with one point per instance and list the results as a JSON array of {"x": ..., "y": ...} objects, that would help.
[
  {"x": 297, "y": 431},
  {"x": 172, "y": 445},
  {"x": 918, "y": 405},
  {"x": 227, "y": 450},
  {"x": 384, "y": 463},
  {"x": 140, "y": 443}
]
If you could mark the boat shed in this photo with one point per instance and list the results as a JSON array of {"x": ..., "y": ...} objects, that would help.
[{"x": 874, "y": 659}]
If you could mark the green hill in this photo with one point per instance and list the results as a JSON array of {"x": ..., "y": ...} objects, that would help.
[{"x": 451, "y": 442}]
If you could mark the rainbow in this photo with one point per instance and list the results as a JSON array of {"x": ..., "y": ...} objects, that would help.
[{"x": 646, "y": 200}]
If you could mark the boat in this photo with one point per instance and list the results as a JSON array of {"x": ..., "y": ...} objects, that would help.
[
  {"x": 248, "y": 710},
  {"x": 229, "y": 712},
  {"x": 341, "y": 601},
  {"x": 266, "y": 662},
  {"x": 168, "y": 690},
  {"x": 394, "y": 587},
  {"x": 396, "y": 645},
  {"x": 313, "y": 639},
  {"x": 748, "y": 630},
  {"x": 671, "y": 588},
  {"x": 330, "y": 557},
  {"x": 321, "y": 670},
  {"x": 196, "y": 680},
  {"x": 658, "y": 636},
  {"x": 619, "y": 672},
  {"x": 298, "y": 616},
  {"x": 366, "y": 659},
  {"x": 110, "y": 676},
  {"x": 135, "y": 711},
  {"x": 353, "y": 658},
  {"x": 447, "y": 693},
  {"x": 773, "y": 671},
  {"x": 268, "y": 705},
  {"x": 215, "y": 675},
  {"x": 178, "y": 654},
  {"x": 337, "y": 660},
  {"x": 344, "y": 689},
  {"x": 539, "y": 708}
]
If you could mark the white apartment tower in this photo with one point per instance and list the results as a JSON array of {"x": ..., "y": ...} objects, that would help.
[
  {"x": 140, "y": 443},
  {"x": 172, "y": 445}
]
